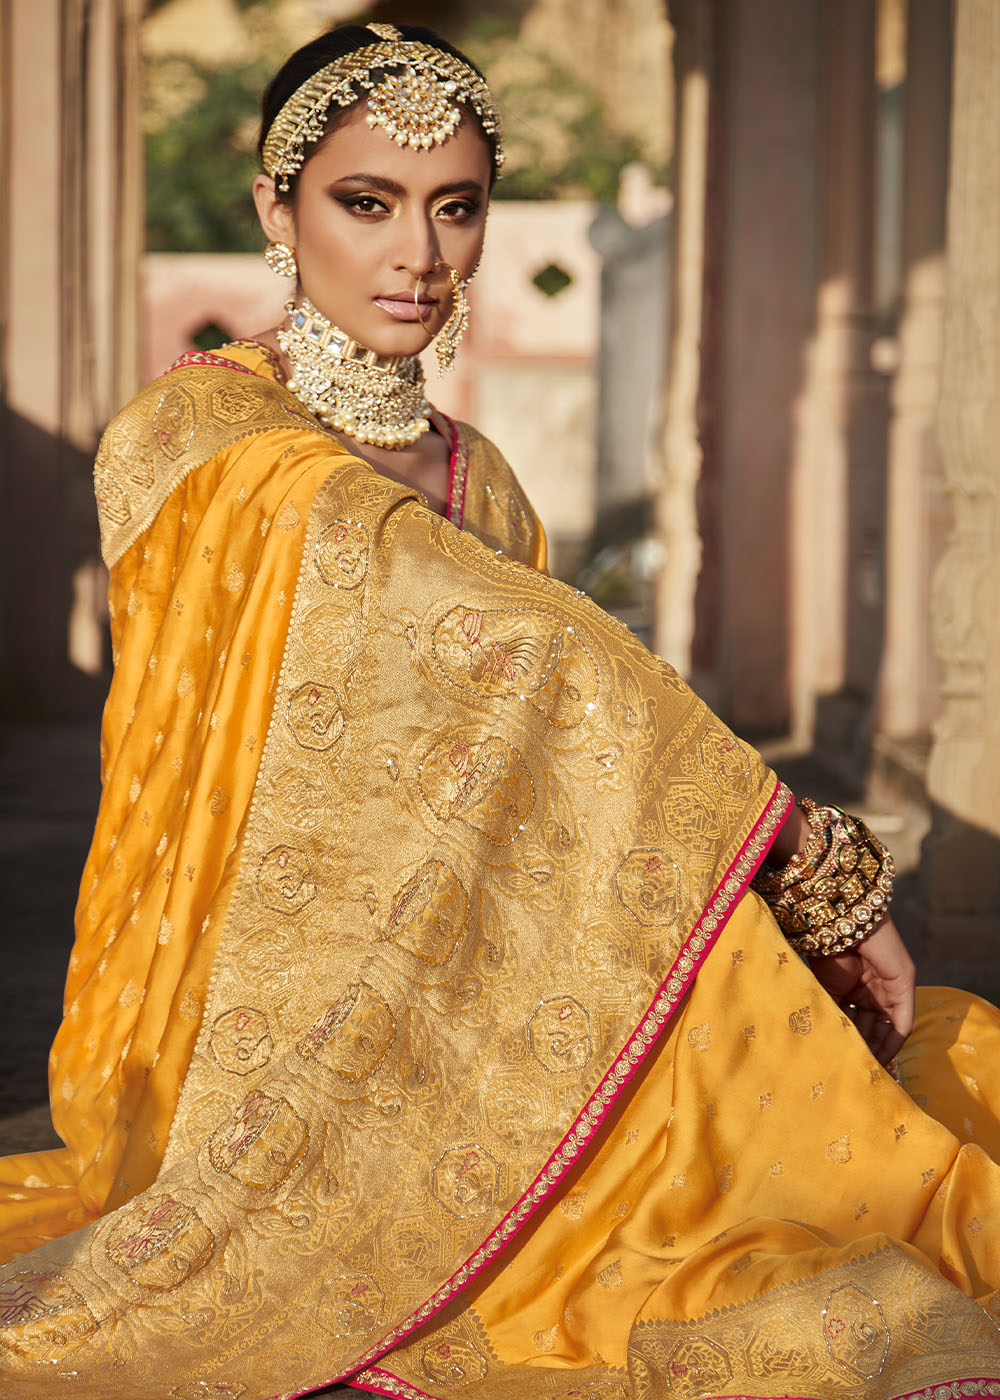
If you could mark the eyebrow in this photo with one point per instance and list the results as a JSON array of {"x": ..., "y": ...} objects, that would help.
[{"x": 387, "y": 186}]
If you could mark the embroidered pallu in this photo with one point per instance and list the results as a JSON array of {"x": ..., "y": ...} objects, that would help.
[
  {"x": 439, "y": 1044},
  {"x": 226, "y": 465}
]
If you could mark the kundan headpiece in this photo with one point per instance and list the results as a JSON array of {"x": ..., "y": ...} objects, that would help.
[{"x": 415, "y": 94}]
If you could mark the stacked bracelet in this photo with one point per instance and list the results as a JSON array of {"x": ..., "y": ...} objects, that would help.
[{"x": 836, "y": 890}]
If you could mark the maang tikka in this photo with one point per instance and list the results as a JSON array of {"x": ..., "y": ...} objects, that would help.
[{"x": 413, "y": 91}]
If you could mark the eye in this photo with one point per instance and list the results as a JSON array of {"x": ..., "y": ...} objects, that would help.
[
  {"x": 364, "y": 205},
  {"x": 457, "y": 210}
]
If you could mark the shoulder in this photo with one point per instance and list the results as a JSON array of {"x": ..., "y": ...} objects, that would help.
[
  {"x": 496, "y": 507},
  {"x": 177, "y": 423}
]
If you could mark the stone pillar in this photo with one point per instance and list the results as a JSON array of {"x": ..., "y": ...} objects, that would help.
[
  {"x": 772, "y": 65},
  {"x": 742, "y": 301},
  {"x": 676, "y": 509},
  {"x": 915, "y": 503},
  {"x": 71, "y": 233},
  {"x": 837, "y": 499},
  {"x": 961, "y": 867}
]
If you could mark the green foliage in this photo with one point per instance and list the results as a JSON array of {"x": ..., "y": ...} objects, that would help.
[
  {"x": 558, "y": 139},
  {"x": 201, "y": 160}
]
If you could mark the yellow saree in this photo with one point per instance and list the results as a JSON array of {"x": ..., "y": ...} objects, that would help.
[{"x": 420, "y": 1029}]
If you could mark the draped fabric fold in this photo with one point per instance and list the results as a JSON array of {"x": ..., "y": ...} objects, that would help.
[{"x": 432, "y": 1042}]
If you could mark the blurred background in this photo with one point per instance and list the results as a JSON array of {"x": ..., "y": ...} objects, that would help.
[{"x": 737, "y": 330}]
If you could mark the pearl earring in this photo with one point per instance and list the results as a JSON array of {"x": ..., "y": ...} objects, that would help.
[
  {"x": 448, "y": 337},
  {"x": 280, "y": 258}
]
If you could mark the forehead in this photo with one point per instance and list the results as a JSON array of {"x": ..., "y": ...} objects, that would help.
[{"x": 354, "y": 148}]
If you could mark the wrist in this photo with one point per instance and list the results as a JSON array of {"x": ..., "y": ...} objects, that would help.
[{"x": 790, "y": 840}]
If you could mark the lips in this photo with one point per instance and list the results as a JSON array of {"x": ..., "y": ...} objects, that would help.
[{"x": 402, "y": 307}]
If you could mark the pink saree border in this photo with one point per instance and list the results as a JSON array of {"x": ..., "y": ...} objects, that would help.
[
  {"x": 207, "y": 357},
  {"x": 458, "y": 466},
  {"x": 385, "y": 1383},
  {"x": 682, "y": 974},
  {"x": 954, "y": 1389}
]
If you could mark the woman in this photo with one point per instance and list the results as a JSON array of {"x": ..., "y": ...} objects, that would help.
[{"x": 422, "y": 1028}]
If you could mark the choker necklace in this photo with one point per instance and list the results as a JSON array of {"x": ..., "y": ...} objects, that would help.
[{"x": 377, "y": 399}]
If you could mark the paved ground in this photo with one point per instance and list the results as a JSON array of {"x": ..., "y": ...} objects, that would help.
[{"x": 49, "y": 789}]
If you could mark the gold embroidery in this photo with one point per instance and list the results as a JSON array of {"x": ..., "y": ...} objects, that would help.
[
  {"x": 827, "y": 1335},
  {"x": 166, "y": 432},
  {"x": 800, "y": 1022},
  {"x": 289, "y": 517},
  {"x": 839, "y": 1151},
  {"x": 385, "y": 1074},
  {"x": 700, "y": 1037}
]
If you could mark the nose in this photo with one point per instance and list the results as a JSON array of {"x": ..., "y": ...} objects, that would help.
[{"x": 418, "y": 251}]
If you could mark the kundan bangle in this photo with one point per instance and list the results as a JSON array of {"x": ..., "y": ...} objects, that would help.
[
  {"x": 803, "y": 863},
  {"x": 836, "y": 890}
]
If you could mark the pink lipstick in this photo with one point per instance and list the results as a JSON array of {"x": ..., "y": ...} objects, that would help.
[{"x": 404, "y": 308}]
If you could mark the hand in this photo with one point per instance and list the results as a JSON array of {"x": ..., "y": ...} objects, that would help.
[{"x": 874, "y": 983}]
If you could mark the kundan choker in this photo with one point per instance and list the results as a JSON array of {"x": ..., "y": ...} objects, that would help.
[{"x": 378, "y": 399}]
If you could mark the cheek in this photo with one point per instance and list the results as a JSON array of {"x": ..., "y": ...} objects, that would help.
[
  {"x": 462, "y": 248},
  {"x": 329, "y": 243}
]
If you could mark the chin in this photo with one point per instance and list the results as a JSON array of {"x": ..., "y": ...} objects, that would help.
[{"x": 406, "y": 339}]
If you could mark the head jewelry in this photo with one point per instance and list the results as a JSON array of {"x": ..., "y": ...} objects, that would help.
[{"x": 415, "y": 94}]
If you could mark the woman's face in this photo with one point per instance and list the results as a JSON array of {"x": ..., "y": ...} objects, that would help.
[{"x": 372, "y": 222}]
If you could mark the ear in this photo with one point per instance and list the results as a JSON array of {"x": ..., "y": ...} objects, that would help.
[{"x": 277, "y": 216}]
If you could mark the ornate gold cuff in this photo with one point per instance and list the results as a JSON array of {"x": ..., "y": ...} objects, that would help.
[{"x": 836, "y": 890}]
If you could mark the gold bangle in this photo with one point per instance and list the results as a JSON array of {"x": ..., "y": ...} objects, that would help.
[
  {"x": 803, "y": 863},
  {"x": 839, "y": 894}
]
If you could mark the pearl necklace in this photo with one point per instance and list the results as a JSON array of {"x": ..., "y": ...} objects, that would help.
[{"x": 377, "y": 399}]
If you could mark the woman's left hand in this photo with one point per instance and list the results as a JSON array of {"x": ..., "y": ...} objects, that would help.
[{"x": 874, "y": 983}]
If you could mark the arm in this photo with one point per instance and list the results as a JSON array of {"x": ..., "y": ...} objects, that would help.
[{"x": 873, "y": 981}]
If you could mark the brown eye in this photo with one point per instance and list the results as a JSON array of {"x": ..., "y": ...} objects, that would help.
[
  {"x": 458, "y": 209},
  {"x": 363, "y": 204}
]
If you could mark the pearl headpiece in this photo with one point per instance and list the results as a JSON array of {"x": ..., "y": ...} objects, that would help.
[{"x": 415, "y": 94}]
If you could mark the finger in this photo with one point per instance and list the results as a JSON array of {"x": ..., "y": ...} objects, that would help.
[
  {"x": 882, "y": 1034},
  {"x": 904, "y": 1012},
  {"x": 891, "y": 1045},
  {"x": 869, "y": 1027}
]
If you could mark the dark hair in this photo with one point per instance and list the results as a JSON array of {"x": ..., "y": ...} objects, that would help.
[{"x": 337, "y": 43}]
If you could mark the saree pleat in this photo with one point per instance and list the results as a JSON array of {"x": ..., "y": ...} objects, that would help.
[{"x": 420, "y": 1029}]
